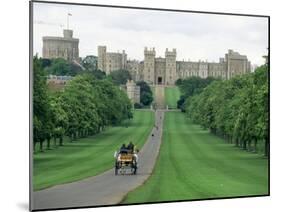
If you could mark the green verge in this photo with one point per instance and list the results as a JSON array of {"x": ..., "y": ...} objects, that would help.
[
  {"x": 172, "y": 95},
  {"x": 194, "y": 164},
  {"x": 88, "y": 156}
]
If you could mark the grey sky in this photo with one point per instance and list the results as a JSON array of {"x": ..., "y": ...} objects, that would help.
[{"x": 195, "y": 36}]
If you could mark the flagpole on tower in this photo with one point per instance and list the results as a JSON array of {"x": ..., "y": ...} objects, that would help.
[
  {"x": 68, "y": 14},
  {"x": 67, "y": 22}
]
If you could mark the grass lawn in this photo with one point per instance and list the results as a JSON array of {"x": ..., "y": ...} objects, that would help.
[
  {"x": 88, "y": 156},
  {"x": 172, "y": 95},
  {"x": 194, "y": 164}
]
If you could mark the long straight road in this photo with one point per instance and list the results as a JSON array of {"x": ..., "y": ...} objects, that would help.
[{"x": 106, "y": 188}]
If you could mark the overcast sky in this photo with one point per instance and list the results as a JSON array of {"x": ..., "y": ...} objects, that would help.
[{"x": 195, "y": 36}]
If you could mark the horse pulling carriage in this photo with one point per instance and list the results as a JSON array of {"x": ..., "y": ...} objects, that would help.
[{"x": 126, "y": 161}]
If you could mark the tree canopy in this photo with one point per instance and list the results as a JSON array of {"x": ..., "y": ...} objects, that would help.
[
  {"x": 146, "y": 96},
  {"x": 191, "y": 86},
  {"x": 236, "y": 109},
  {"x": 60, "y": 67},
  {"x": 84, "y": 107},
  {"x": 120, "y": 77}
]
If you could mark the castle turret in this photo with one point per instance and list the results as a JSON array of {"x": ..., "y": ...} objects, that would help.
[
  {"x": 149, "y": 65},
  {"x": 133, "y": 91},
  {"x": 65, "y": 47},
  {"x": 124, "y": 59},
  {"x": 101, "y": 57},
  {"x": 67, "y": 33},
  {"x": 171, "y": 75}
]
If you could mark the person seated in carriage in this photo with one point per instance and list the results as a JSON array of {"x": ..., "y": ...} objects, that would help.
[
  {"x": 123, "y": 149},
  {"x": 131, "y": 147},
  {"x": 127, "y": 149}
]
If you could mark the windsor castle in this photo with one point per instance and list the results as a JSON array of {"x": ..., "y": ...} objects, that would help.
[
  {"x": 165, "y": 71},
  {"x": 152, "y": 69}
]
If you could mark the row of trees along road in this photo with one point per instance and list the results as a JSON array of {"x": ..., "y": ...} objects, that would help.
[
  {"x": 235, "y": 109},
  {"x": 83, "y": 108}
]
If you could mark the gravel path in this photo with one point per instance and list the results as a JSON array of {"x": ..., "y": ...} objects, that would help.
[{"x": 106, "y": 188}]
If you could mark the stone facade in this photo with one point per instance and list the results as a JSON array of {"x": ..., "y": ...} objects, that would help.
[
  {"x": 133, "y": 91},
  {"x": 236, "y": 64},
  {"x": 135, "y": 68},
  {"x": 111, "y": 61},
  {"x": 61, "y": 47},
  {"x": 165, "y": 71}
]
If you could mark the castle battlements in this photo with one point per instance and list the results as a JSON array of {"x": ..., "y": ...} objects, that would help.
[{"x": 157, "y": 70}]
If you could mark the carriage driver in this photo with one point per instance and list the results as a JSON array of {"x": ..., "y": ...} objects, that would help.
[{"x": 131, "y": 147}]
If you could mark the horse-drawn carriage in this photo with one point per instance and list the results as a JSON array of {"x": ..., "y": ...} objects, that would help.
[{"x": 124, "y": 162}]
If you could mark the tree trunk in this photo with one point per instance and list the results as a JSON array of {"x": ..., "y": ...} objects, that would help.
[
  {"x": 41, "y": 146},
  {"x": 61, "y": 141},
  {"x": 48, "y": 143},
  {"x": 249, "y": 146},
  {"x": 244, "y": 144},
  {"x": 236, "y": 142},
  {"x": 255, "y": 145},
  {"x": 55, "y": 141}
]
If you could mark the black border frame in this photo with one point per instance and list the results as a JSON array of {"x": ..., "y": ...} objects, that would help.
[{"x": 138, "y": 8}]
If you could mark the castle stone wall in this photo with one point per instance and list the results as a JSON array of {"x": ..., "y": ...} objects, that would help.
[
  {"x": 65, "y": 47},
  {"x": 165, "y": 71}
]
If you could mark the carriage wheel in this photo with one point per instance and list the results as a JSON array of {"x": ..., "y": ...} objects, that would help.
[
  {"x": 116, "y": 168},
  {"x": 135, "y": 167}
]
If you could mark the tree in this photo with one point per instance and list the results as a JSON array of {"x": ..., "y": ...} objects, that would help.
[
  {"x": 146, "y": 96},
  {"x": 235, "y": 109},
  {"x": 62, "y": 67},
  {"x": 120, "y": 77},
  {"x": 41, "y": 112},
  {"x": 90, "y": 62},
  {"x": 189, "y": 87},
  {"x": 84, "y": 107}
]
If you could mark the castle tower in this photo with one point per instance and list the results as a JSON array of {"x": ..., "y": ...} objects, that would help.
[
  {"x": 171, "y": 74},
  {"x": 149, "y": 66},
  {"x": 124, "y": 60},
  {"x": 101, "y": 58},
  {"x": 65, "y": 47},
  {"x": 133, "y": 91}
]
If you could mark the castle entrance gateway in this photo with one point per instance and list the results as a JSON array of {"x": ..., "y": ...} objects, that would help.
[{"x": 159, "y": 81}]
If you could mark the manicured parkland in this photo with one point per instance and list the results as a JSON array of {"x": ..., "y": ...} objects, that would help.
[
  {"x": 194, "y": 164},
  {"x": 88, "y": 156},
  {"x": 172, "y": 95}
]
